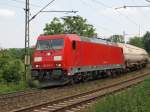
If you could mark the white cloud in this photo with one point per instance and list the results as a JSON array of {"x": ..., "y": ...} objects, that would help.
[{"x": 6, "y": 13}]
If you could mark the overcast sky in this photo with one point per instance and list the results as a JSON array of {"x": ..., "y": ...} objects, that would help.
[{"x": 99, "y": 13}]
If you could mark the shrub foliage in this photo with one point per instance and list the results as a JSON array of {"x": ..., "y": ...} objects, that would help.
[{"x": 11, "y": 69}]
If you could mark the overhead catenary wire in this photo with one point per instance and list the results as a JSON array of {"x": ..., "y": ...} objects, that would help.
[
  {"x": 125, "y": 16},
  {"x": 61, "y": 11},
  {"x": 141, "y": 12},
  {"x": 135, "y": 6},
  {"x": 140, "y": 6},
  {"x": 132, "y": 21},
  {"x": 41, "y": 10},
  {"x": 107, "y": 6},
  {"x": 101, "y": 27}
]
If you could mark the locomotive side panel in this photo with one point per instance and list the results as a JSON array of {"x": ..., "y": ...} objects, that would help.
[{"x": 93, "y": 56}]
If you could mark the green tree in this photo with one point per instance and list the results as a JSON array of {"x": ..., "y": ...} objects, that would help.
[
  {"x": 13, "y": 71},
  {"x": 137, "y": 41},
  {"x": 4, "y": 60},
  {"x": 146, "y": 40},
  {"x": 55, "y": 27},
  {"x": 117, "y": 38},
  {"x": 16, "y": 53},
  {"x": 70, "y": 24},
  {"x": 11, "y": 68}
]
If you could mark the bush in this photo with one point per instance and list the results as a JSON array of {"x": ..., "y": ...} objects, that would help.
[
  {"x": 13, "y": 71},
  {"x": 1, "y": 80},
  {"x": 4, "y": 61}
]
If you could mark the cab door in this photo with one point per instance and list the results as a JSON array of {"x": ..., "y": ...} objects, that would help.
[{"x": 77, "y": 55}]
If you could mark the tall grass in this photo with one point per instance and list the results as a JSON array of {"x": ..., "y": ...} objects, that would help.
[
  {"x": 136, "y": 99},
  {"x": 9, "y": 88}
]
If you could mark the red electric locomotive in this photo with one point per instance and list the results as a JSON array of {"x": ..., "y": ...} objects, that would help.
[{"x": 59, "y": 59}]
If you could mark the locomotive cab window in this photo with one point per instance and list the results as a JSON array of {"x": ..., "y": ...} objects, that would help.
[
  {"x": 43, "y": 45},
  {"x": 55, "y": 44},
  {"x": 74, "y": 44}
]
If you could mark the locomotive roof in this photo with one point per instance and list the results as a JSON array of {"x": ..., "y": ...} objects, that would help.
[
  {"x": 95, "y": 40},
  {"x": 82, "y": 38}
]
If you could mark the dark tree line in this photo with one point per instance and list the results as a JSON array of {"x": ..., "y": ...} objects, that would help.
[
  {"x": 143, "y": 42},
  {"x": 146, "y": 41}
]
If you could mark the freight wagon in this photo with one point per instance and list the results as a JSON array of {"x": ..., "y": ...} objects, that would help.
[{"x": 134, "y": 56}]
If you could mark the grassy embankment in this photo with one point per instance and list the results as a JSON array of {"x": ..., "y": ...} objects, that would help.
[
  {"x": 4, "y": 88},
  {"x": 136, "y": 99},
  {"x": 12, "y": 70}
]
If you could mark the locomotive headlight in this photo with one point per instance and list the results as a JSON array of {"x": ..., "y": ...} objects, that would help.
[
  {"x": 57, "y": 58},
  {"x": 37, "y": 59},
  {"x": 36, "y": 66},
  {"x": 48, "y": 54},
  {"x": 58, "y": 65}
]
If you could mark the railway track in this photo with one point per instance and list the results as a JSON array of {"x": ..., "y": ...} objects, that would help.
[
  {"x": 76, "y": 102},
  {"x": 18, "y": 94}
]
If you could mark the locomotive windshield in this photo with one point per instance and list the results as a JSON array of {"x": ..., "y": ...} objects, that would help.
[{"x": 54, "y": 44}]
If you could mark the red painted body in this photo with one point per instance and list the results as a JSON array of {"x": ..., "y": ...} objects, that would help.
[
  {"x": 86, "y": 54},
  {"x": 48, "y": 61}
]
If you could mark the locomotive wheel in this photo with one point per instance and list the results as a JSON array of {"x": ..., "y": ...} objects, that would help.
[
  {"x": 104, "y": 75},
  {"x": 95, "y": 75},
  {"x": 71, "y": 80},
  {"x": 76, "y": 78},
  {"x": 113, "y": 73},
  {"x": 84, "y": 77}
]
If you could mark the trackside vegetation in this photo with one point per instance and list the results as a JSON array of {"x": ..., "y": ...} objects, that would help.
[
  {"x": 136, "y": 99},
  {"x": 11, "y": 70}
]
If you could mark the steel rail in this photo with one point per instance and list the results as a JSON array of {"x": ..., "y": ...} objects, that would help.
[
  {"x": 18, "y": 94},
  {"x": 72, "y": 101}
]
